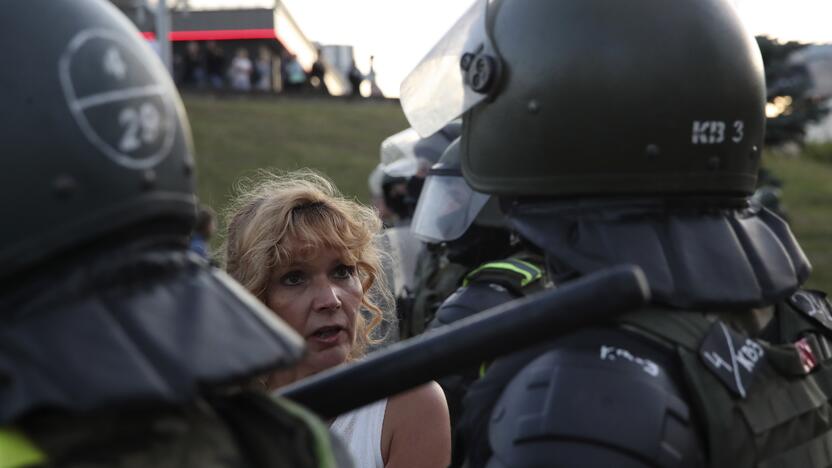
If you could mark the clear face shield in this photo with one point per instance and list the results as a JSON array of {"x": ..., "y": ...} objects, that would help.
[
  {"x": 447, "y": 207},
  {"x": 407, "y": 168},
  {"x": 399, "y": 146},
  {"x": 457, "y": 74},
  {"x": 403, "y": 168}
]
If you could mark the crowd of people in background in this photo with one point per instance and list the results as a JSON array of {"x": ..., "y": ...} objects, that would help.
[{"x": 208, "y": 66}]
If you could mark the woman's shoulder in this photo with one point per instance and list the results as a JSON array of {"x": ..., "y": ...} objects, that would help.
[
  {"x": 427, "y": 397},
  {"x": 416, "y": 424}
]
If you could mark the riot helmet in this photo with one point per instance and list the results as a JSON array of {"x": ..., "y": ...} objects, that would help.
[
  {"x": 448, "y": 206},
  {"x": 569, "y": 98},
  {"x": 98, "y": 188},
  {"x": 408, "y": 144},
  {"x": 96, "y": 142},
  {"x": 405, "y": 159}
]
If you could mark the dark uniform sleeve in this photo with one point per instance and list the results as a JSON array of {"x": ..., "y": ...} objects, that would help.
[
  {"x": 465, "y": 302},
  {"x": 488, "y": 286},
  {"x": 469, "y": 300},
  {"x": 597, "y": 398}
]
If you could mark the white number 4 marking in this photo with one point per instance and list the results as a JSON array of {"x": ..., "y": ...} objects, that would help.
[{"x": 114, "y": 64}]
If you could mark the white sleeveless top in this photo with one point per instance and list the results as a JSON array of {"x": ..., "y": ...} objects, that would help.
[{"x": 361, "y": 432}]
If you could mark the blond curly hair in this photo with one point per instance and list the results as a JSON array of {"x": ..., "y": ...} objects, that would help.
[{"x": 304, "y": 207}]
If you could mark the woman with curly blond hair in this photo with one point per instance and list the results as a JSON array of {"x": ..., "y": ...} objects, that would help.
[{"x": 310, "y": 255}]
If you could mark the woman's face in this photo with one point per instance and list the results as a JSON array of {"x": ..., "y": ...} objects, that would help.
[{"x": 319, "y": 296}]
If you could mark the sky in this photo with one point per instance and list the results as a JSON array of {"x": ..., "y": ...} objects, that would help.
[{"x": 400, "y": 32}]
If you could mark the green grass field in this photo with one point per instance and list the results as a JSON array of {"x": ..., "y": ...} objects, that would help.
[
  {"x": 235, "y": 136},
  {"x": 807, "y": 195}
]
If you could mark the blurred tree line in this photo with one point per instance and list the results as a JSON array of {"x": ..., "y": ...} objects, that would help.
[{"x": 791, "y": 107}]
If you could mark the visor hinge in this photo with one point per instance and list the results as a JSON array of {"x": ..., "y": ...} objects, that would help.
[{"x": 480, "y": 71}]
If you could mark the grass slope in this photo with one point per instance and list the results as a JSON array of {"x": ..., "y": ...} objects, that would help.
[
  {"x": 807, "y": 194},
  {"x": 234, "y": 136}
]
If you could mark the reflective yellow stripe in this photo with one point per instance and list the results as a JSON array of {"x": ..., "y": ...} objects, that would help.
[
  {"x": 510, "y": 265},
  {"x": 16, "y": 450},
  {"x": 533, "y": 269},
  {"x": 483, "y": 368}
]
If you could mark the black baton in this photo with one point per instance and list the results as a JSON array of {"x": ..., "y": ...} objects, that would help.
[{"x": 593, "y": 299}]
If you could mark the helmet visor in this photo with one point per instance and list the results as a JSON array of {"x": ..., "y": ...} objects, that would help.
[
  {"x": 435, "y": 92},
  {"x": 406, "y": 168},
  {"x": 446, "y": 208},
  {"x": 399, "y": 146}
]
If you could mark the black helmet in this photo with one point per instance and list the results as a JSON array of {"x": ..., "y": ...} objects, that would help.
[
  {"x": 95, "y": 139},
  {"x": 565, "y": 97},
  {"x": 97, "y": 190},
  {"x": 448, "y": 206}
]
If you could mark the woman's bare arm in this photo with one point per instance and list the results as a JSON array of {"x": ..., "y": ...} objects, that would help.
[{"x": 417, "y": 430}]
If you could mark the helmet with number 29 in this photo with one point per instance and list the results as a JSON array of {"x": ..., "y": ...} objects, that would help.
[{"x": 96, "y": 144}]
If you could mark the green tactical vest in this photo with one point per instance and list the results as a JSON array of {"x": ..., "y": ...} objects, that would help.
[
  {"x": 266, "y": 432},
  {"x": 761, "y": 404}
]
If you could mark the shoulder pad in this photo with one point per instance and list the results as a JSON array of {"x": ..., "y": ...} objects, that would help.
[
  {"x": 471, "y": 299},
  {"x": 814, "y": 305},
  {"x": 512, "y": 273},
  {"x": 162, "y": 356},
  {"x": 732, "y": 357},
  {"x": 607, "y": 408}
]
